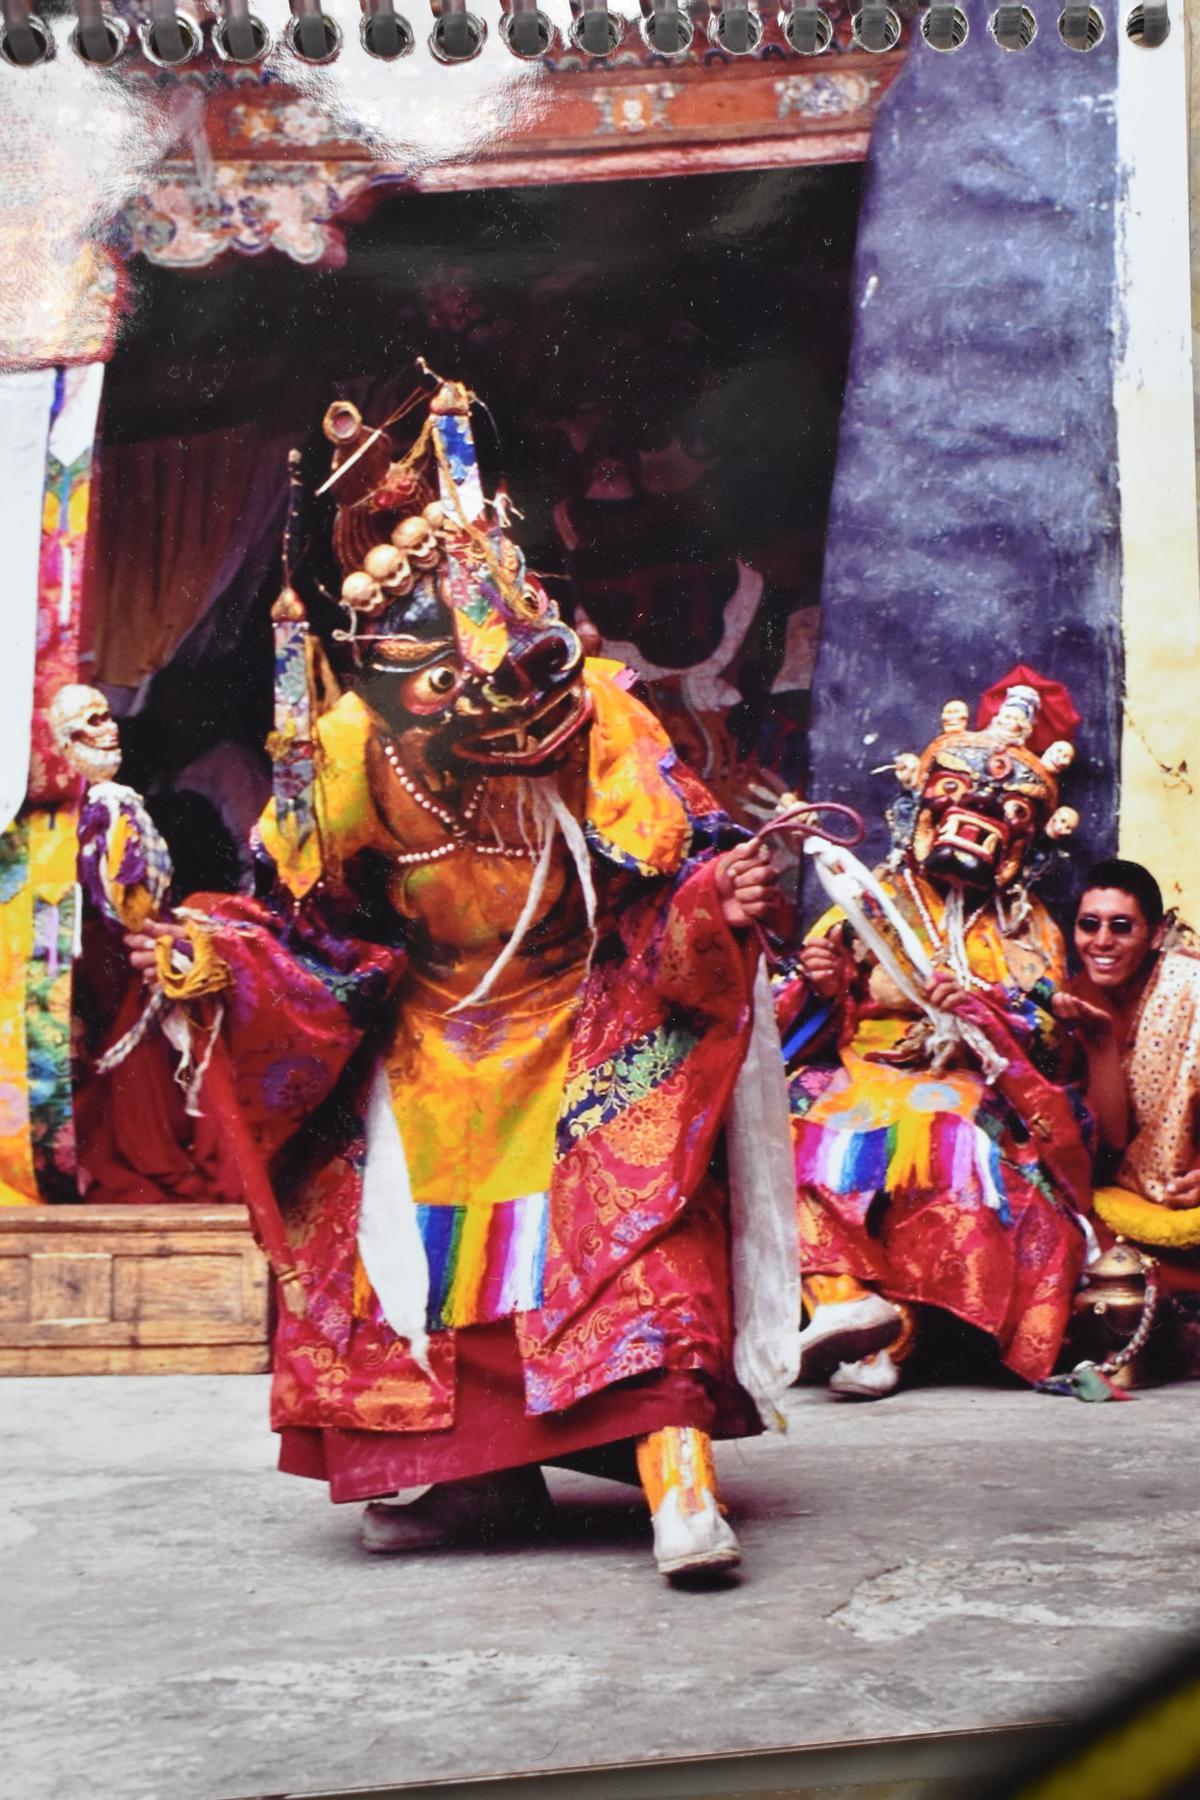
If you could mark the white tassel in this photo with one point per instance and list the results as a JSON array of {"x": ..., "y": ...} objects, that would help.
[
  {"x": 537, "y": 889},
  {"x": 389, "y": 1234},
  {"x": 764, "y": 1235},
  {"x": 572, "y": 831}
]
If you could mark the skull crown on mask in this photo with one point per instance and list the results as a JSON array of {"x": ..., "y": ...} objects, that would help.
[{"x": 457, "y": 648}]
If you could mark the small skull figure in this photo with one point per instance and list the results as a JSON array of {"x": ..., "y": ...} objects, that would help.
[
  {"x": 364, "y": 595},
  {"x": 414, "y": 538},
  {"x": 908, "y": 769},
  {"x": 85, "y": 732},
  {"x": 1062, "y": 823},
  {"x": 1016, "y": 718},
  {"x": 1058, "y": 756},
  {"x": 955, "y": 716},
  {"x": 390, "y": 568}
]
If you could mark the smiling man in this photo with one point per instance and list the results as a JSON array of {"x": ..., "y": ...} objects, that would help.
[{"x": 1135, "y": 1010}]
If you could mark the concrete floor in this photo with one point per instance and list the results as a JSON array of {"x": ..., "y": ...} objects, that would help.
[{"x": 182, "y": 1623}]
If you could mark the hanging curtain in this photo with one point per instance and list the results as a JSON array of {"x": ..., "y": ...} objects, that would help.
[{"x": 183, "y": 523}]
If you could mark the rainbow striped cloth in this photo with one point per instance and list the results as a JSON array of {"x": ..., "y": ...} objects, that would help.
[
  {"x": 937, "y": 1152},
  {"x": 485, "y": 1262}
]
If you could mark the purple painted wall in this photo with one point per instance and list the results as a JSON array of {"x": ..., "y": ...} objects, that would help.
[{"x": 974, "y": 518}]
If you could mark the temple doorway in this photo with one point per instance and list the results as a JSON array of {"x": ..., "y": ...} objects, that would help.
[{"x": 665, "y": 407}]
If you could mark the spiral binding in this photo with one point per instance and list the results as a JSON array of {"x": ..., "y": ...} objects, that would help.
[
  {"x": 170, "y": 38},
  {"x": 595, "y": 30},
  {"x": 384, "y": 33}
]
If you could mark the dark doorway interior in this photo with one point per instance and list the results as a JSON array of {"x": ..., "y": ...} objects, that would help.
[{"x": 664, "y": 364}]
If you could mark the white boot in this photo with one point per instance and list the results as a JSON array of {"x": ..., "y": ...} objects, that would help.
[
  {"x": 872, "y": 1379},
  {"x": 687, "y": 1542},
  {"x": 845, "y": 1330}
]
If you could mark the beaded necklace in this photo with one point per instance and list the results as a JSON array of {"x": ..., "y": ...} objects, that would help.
[
  {"x": 460, "y": 837},
  {"x": 957, "y": 930}
]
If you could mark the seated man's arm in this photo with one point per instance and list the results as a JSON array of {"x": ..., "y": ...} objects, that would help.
[{"x": 1094, "y": 1030}]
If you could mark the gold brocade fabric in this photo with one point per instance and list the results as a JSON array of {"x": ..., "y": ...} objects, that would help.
[{"x": 1162, "y": 1070}]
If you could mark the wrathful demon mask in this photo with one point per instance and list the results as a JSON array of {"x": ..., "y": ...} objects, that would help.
[
  {"x": 981, "y": 805},
  {"x": 457, "y": 647},
  {"x": 985, "y": 797}
]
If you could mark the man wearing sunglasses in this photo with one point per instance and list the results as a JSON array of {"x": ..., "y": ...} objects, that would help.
[{"x": 1135, "y": 1011}]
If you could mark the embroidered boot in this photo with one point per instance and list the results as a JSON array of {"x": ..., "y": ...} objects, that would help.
[
  {"x": 875, "y": 1377},
  {"x": 846, "y": 1322},
  {"x": 691, "y": 1534}
]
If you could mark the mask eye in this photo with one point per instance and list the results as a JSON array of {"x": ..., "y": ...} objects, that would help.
[{"x": 429, "y": 689}]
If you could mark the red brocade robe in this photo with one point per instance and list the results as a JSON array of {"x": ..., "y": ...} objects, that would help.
[{"x": 634, "y": 1326}]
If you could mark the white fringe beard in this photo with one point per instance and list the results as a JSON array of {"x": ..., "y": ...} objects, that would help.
[{"x": 538, "y": 797}]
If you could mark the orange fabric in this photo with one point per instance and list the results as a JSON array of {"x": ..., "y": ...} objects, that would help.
[
  {"x": 678, "y": 1457},
  {"x": 831, "y": 1290},
  {"x": 630, "y": 803}
]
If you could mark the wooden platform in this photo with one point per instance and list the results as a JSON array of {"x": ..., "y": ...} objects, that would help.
[{"x": 131, "y": 1290}]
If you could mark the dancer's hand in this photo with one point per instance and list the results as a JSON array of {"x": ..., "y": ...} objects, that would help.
[
  {"x": 142, "y": 946},
  {"x": 826, "y": 966},
  {"x": 747, "y": 884},
  {"x": 947, "y": 994}
]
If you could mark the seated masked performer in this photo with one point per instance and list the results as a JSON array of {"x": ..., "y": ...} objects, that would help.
[
  {"x": 1135, "y": 1009},
  {"x": 487, "y": 1033},
  {"x": 139, "y": 1136},
  {"x": 937, "y": 1165}
]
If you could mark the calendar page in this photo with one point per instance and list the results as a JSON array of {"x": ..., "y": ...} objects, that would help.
[{"x": 597, "y": 1002}]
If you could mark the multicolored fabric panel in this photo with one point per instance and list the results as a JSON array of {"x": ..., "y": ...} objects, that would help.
[
  {"x": 460, "y": 467},
  {"x": 124, "y": 863},
  {"x": 594, "y": 1097},
  {"x": 293, "y": 775},
  {"x": 37, "y": 936},
  {"x": 61, "y": 570},
  {"x": 485, "y": 1263},
  {"x": 925, "y": 1152}
]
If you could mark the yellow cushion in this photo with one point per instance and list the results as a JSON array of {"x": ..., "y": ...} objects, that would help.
[{"x": 1146, "y": 1222}]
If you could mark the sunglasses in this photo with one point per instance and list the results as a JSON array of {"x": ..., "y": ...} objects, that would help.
[{"x": 1087, "y": 925}]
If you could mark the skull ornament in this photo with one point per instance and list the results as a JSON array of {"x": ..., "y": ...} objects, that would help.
[
  {"x": 1062, "y": 823},
  {"x": 85, "y": 732},
  {"x": 1058, "y": 756},
  {"x": 363, "y": 594},
  {"x": 390, "y": 568},
  {"x": 415, "y": 539}
]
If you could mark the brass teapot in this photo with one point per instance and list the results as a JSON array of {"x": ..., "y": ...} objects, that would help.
[{"x": 1112, "y": 1314}]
